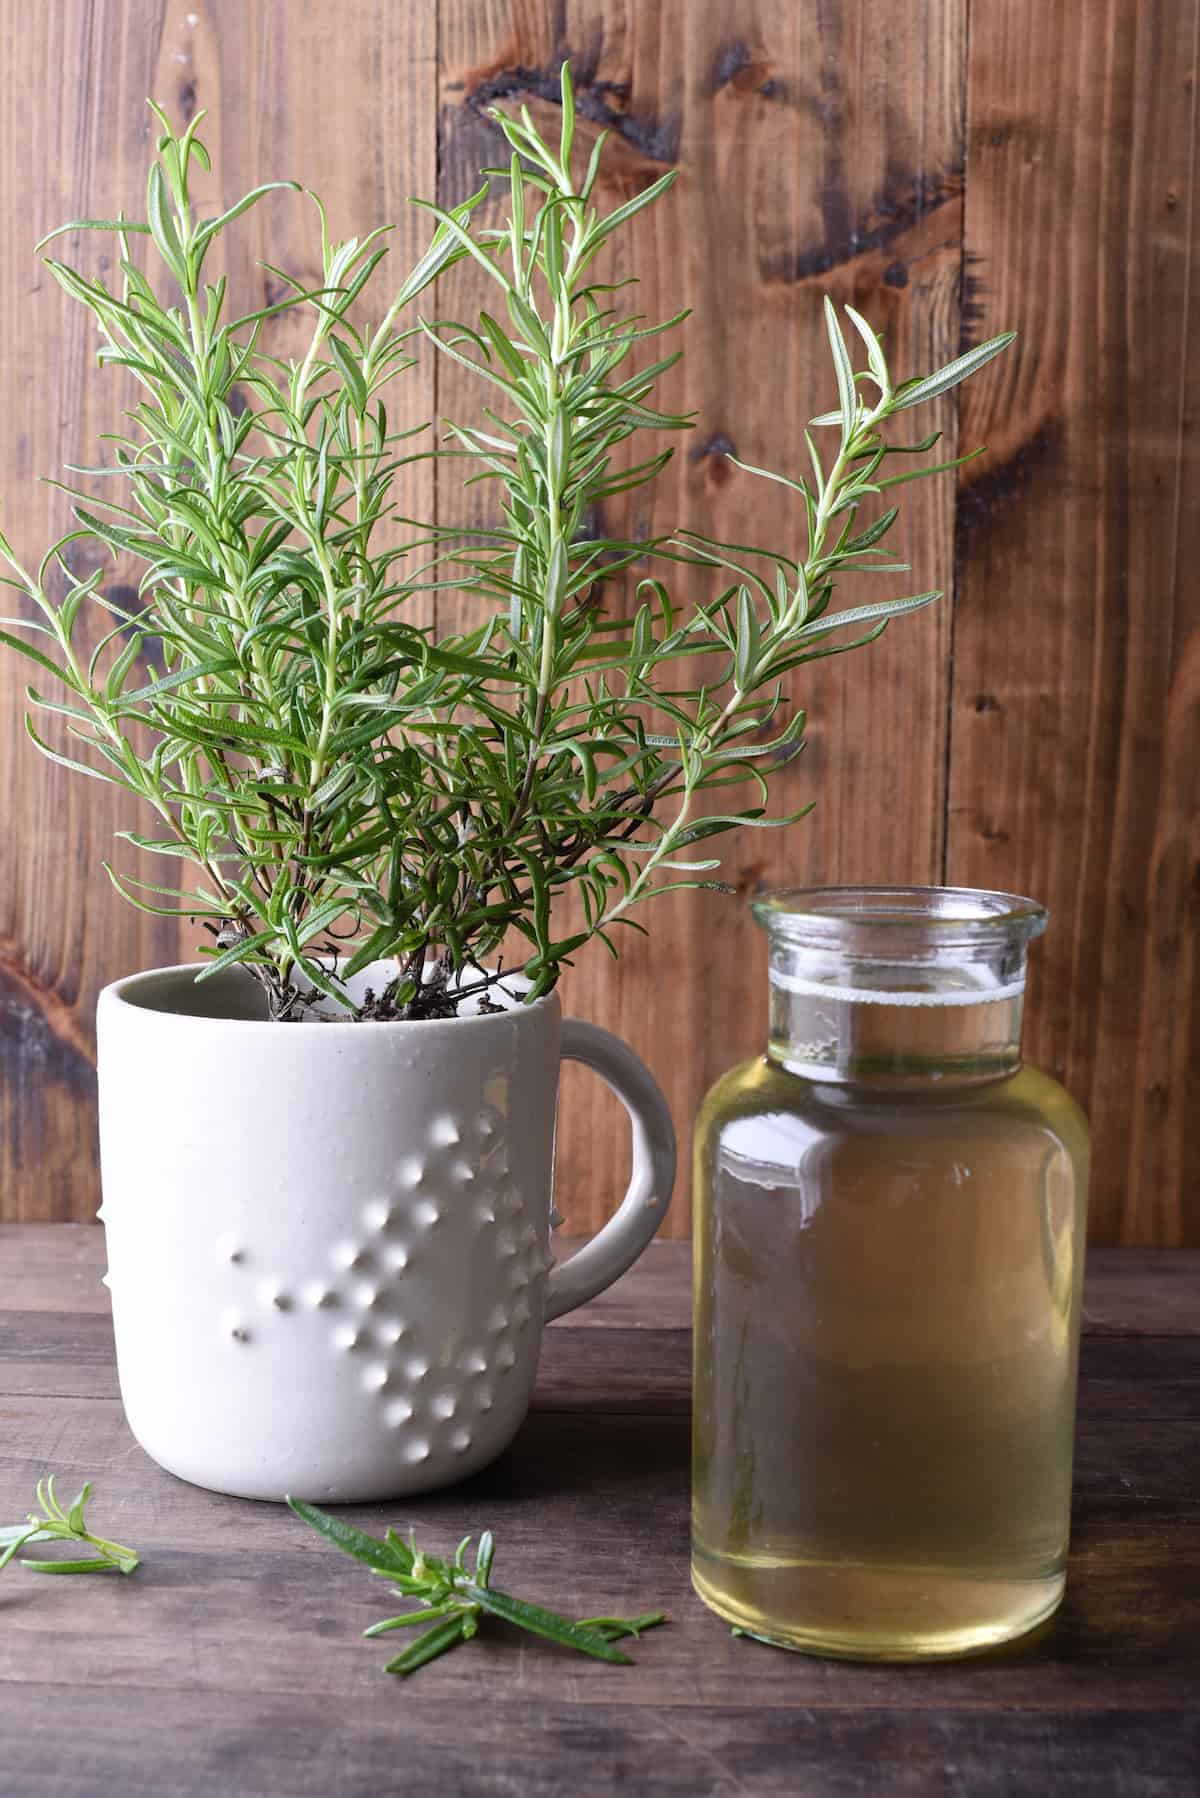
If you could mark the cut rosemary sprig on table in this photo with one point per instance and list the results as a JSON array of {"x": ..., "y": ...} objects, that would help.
[
  {"x": 451, "y": 1596},
  {"x": 57, "y": 1525}
]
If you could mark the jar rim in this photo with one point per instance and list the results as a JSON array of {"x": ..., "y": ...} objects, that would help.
[{"x": 944, "y": 914}]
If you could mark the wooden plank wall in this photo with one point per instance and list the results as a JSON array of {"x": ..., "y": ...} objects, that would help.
[{"x": 950, "y": 166}]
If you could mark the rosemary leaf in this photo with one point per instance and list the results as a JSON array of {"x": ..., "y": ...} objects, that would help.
[{"x": 453, "y": 1596}]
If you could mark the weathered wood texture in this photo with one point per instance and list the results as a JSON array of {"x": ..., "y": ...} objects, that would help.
[
  {"x": 74, "y": 141},
  {"x": 1075, "y": 734},
  {"x": 52, "y": 1267},
  {"x": 816, "y": 153},
  {"x": 949, "y": 167},
  {"x": 233, "y": 1661}
]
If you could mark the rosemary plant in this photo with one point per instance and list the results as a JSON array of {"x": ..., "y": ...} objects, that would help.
[{"x": 338, "y": 783}]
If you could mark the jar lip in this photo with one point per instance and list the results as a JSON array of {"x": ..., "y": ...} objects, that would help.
[{"x": 941, "y": 914}]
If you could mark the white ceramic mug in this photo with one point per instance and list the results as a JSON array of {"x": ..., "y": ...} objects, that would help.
[{"x": 328, "y": 1243}]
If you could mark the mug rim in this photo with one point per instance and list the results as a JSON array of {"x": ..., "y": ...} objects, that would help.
[{"x": 118, "y": 993}]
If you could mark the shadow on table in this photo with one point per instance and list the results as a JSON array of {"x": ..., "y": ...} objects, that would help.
[{"x": 617, "y": 1459}]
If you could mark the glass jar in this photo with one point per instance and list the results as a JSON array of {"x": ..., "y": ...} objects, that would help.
[{"x": 889, "y": 1240}]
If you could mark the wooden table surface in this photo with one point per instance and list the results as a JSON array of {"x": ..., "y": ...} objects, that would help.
[{"x": 231, "y": 1663}]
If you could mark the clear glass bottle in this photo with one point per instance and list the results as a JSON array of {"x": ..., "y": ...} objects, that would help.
[{"x": 889, "y": 1239}]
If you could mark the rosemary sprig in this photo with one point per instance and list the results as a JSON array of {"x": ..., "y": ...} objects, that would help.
[
  {"x": 452, "y": 1595},
  {"x": 58, "y": 1525}
]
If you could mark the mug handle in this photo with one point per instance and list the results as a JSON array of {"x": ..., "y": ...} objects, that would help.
[{"x": 618, "y": 1245}]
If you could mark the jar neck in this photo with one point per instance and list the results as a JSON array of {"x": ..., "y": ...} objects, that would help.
[{"x": 873, "y": 996}]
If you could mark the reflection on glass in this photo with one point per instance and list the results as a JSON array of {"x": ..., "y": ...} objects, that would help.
[{"x": 888, "y": 1263}]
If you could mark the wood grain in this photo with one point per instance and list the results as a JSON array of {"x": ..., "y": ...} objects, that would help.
[
  {"x": 815, "y": 154},
  {"x": 57, "y": 1268},
  {"x": 76, "y": 144},
  {"x": 1142, "y": 1380},
  {"x": 233, "y": 1658},
  {"x": 951, "y": 169},
  {"x": 203, "y": 1742},
  {"x": 1073, "y": 756},
  {"x": 65, "y": 147}
]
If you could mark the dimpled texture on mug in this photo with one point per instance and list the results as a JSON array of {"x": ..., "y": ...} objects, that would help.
[{"x": 431, "y": 1407}]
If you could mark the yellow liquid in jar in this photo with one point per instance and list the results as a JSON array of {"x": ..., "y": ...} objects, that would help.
[{"x": 886, "y": 1338}]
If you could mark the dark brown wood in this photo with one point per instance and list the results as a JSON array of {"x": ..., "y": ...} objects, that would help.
[
  {"x": 590, "y": 1513},
  {"x": 1073, "y": 749},
  {"x": 74, "y": 141},
  {"x": 233, "y": 1659},
  {"x": 816, "y": 153},
  {"x": 215, "y": 1743},
  {"x": 1123, "y": 1380},
  {"x": 1132, "y": 1391},
  {"x": 1127, "y": 1292},
  {"x": 950, "y": 168}
]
